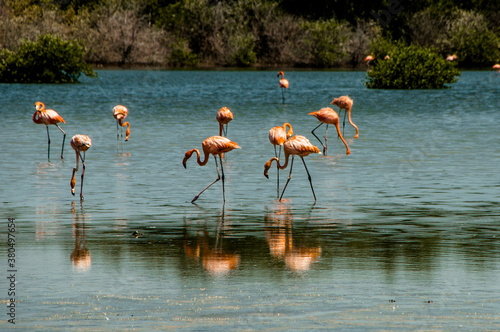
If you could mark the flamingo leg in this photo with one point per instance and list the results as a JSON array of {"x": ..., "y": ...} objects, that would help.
[
  {"x": 64, "y": 138},
  {"x": 75, "y": 169},
  {"x": 289, "y": 177},
  {"x": 324, "y": 147},
  {"x": 278, "y": 172},
  {"x": 218, "y": 178},
  {"x": 283, "y": 91},
  {"x": 48, "y": 141},
  {"x": 83, "y": 172},
  {"x": 309, "y": 177},
  {"x": 343, "y": 124},
  {"x": 222, "y": 170}
]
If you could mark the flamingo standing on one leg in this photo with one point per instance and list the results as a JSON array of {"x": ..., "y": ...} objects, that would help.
[
  {"x": 224, "y": 116},
  {"x": 283, "y": 84},
  {"x": 345, "y": 103},
  {"x": 277, "y": 136},
  {"x": 297, "y": 145},
  {"x": 79, "y": 143},
  {"x": 216, "y": 146},
  {"x": 48, "y": 117},
  {"x": 328, "y": 116},
  {"x": 120, "y": 112}
]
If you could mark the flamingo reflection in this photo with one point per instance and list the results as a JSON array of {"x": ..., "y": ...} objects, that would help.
[
  {"x": 80, "y": 256},
  {"x": 216, "y": 260},
  {"x": 279, "y": 237}
]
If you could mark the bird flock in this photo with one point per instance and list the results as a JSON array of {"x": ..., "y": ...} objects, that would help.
[{"x": 280, "y": 136}]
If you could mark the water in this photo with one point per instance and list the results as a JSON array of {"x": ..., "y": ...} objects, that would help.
[{"x": 404, "y": 234}]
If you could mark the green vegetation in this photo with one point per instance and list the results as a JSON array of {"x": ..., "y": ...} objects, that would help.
[
  {"x": 412, "y": 67},
  {"x": 48, "y": 60},
  {"x": 270, "y": 33}
]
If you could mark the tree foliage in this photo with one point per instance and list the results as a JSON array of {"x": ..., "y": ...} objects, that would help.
[
  {"x": 47, "y": 60},
  {"x": 314, "y": 33},
  {"x": 412, "y": 67}
]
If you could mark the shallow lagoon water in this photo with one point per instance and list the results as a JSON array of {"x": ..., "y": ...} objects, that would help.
[{"x": 404, "y": 234}]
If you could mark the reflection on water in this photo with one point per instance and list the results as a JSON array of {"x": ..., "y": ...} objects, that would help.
[
  {"x": 404, "y": 233},
  {"x": 215, "y": 259},
  {"x": 280, "y": 238},
  {"x": 80, "y": 256}
]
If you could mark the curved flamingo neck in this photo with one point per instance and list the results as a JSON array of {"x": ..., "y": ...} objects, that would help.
[
  {"x": 290, "y": 131},
  {"x": 221, "y": 126},
  {"x": 342, "y": 138},
  {"x": 36, "y": 118},
  {"x": 198, "y": 155},
  {"x": 352, "y": 123}
]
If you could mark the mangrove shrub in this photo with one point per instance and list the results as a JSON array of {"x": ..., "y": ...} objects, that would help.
[
  {"x": 49, "y": 59},
  {"x": 412, "y": 67}
]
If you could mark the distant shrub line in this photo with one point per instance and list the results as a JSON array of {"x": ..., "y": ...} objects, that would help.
[{"x": 252, "y": 32}]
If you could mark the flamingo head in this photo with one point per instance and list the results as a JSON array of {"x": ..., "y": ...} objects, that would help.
[
  {"x": 281, "y": 73},
  {"x": 39, "y": 106}
]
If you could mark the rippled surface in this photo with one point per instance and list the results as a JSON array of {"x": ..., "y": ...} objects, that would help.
[{"x": 404, "y": 234}]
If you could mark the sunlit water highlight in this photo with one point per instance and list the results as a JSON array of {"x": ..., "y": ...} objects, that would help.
[{"x": 404, "y": 235}]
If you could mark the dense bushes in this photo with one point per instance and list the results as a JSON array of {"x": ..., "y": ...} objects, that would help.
[
  {"x": 412, "y": 67},
  {"x": 48, "y": 60},
  {"x": 254, "y": 32}
]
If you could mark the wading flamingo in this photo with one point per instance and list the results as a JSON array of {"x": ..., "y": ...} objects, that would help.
[
  {"x": 297, "y": 145},
  {"x": 120, "y": 112},
  {"x": 369, "y": 58},
  {"x": 345, "y": 103},
  {"x": 48, "y": 117},
  {"x": 277, "y": 136},
  {"x": 283, "y": 84},
  {"x": 496, "y": 67},
  {"x": 216, "y": 146},
  {"x": 79, "y": 143},
  {"x": 224, "y": 116},
  {"x": 328, "y": 116}
]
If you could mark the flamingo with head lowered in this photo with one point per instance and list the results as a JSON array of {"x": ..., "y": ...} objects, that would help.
[
  {"x": 80, "y": 143},
  {"x": 120, "y": 112},
  {"x": 345, "y": 103},
  {"x": 216, "y": 146},
  {"x": 277, "y": 136},
  {"x": 297, "y": 145},
  {"x": 328, "y": 116}
]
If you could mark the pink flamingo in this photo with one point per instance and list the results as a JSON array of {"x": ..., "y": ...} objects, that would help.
[
  {"x": 283, "y": 84},
  {"x": 297, "y": 145},
  {"x": 48, "y": 117},
  {"x": 328, "y": 116},
  {"x": 216, "y": 146},
  {"x": 277, "y": 136},
  {"x": 79, "y": 143}
]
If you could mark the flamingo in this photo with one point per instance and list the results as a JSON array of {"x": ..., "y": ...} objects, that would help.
[
  {"x": 277, "y": 136},
  {"x": 345, "y": 103},
  {"x": 48, "y": 117},
  {"x": 120, "y": 112},
  {"x": 328, "y": 116},
  {"x": 216, "y": 146},
  {"x": 369, "y": 58},
  {"x": 452, "y": 57},
  {"x": 283, "y": 84},
  {"x": 79, "y": 143},
  {"x": 297, "y": 145},
  {"x": 496, "y": 67},
  {"x": 224, "y": 116}
]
